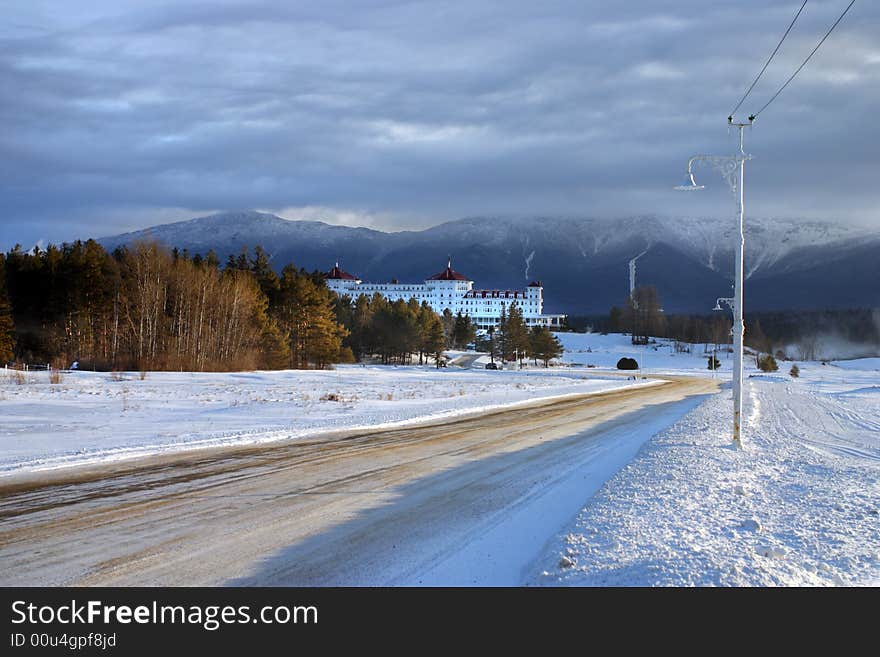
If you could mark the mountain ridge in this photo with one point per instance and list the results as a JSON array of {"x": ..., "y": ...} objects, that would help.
[{"x": 583, "y": 261}]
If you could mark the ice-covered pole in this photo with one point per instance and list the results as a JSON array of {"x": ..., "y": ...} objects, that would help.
[
  {"x": 739, "y": 328},
  {"x": 732, "y": 169}
]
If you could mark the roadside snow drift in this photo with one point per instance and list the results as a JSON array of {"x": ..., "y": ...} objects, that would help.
[{"x": 799, "y": 506}]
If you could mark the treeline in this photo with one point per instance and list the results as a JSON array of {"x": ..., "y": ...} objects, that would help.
[
  {"x": 150, "y": 308},
  {"x": 798, "y": 331},
  {"x": 512, "y": 340},
  {"x": 391, "y": 330},
  {"x": 642, "y": 316}
]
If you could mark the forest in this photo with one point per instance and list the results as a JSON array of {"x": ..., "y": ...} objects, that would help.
[{"x": 149, "y": 308}]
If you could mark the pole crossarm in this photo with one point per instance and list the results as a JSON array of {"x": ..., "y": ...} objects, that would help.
[
  {"x": 727, "y": 301},
  {"x": 726, "y": 165}
]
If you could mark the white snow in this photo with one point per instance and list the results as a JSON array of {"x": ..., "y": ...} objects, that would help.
[
  {"x": 91, "y": 417},
  {"x": 797, "y": 507},
  {"x": 593, "y": 350},
  {"x": 868, "y": 364},
  {"x": 705, "y": 239},
  {"x": 661, "y": 501}
]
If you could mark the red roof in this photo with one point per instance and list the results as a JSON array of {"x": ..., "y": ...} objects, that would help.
[
  {"x": 448, "y": 274},
  {"x": 338, "y": 273}
]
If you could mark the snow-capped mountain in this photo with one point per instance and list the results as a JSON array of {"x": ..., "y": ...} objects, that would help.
[{"x": 583, "y": 262}]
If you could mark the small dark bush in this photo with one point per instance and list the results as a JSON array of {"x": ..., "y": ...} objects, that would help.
[
  {"x": 795, "y": 371},
  {"x": 627, "y": 364},
  {"x": 767, "y": 363},
  {"x": 714, "y": 363}
]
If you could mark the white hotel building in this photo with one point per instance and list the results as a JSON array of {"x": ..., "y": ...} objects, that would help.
[{"x": 455, "y": 291}]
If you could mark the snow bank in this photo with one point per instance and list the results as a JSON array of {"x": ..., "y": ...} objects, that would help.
[{"x": 799, "y": 506}]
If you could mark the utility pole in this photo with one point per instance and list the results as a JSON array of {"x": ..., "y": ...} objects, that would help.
[{"x": 732, "y": 169}]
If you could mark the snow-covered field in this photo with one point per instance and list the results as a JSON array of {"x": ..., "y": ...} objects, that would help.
[
  {"x": 90, "y": 417},
  {"x": 798, "y": 506},
  {"x": 603, "y": 351}
]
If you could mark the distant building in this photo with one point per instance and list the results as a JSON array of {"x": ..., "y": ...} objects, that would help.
[{"x": 455, "y": 291}]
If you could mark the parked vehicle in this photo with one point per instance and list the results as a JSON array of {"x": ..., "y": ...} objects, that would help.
[{"x": 491, "y": 366}]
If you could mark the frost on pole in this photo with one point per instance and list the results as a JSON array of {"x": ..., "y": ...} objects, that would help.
[{"x": 732, "y": 169}]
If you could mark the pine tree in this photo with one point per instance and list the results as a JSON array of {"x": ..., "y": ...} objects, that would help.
[
  {"x": 261, "y": 268},
  {"x": 242, "y": 262},
  {"x": 543, "y": 345},
  {"x": 211, "y": 260},
  {"x": 515, "y": 335},
  {"x": 493, "y": 344},
  {"x": 361, "y": 339},
  {"x": 7, "y": 326},
  {"x": 304, "y": 311},
  {"x": 463, "y": 332},
  {"x": 449, "y": 322},
  {"x": 434, "y": 340},
  {"x": 500, "y": 335},
  {"x": 274, "y": 346}
]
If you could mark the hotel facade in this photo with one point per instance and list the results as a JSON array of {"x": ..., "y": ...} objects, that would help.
[{"x": 454, "y": 291}]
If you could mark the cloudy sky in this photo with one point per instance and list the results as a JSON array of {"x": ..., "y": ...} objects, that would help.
[{"x": 118, "y": 114}]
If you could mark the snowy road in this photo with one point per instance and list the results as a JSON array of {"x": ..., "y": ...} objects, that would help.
[{"x": 471, "y": 500}]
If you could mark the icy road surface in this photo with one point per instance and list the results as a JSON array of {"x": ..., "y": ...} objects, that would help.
[{"x": 467, "y": 501}]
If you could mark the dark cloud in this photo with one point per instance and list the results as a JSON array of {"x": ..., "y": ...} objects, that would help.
[{"x": 117, "y": 115}]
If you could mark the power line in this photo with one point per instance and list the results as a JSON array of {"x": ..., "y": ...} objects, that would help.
[
  {"x": 769, "y": 59},
  {"x": 793, "y": 75}
]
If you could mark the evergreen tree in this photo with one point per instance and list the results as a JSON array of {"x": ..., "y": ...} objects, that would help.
[
  {"x": 7, "y": 326},
  {"x": 304, "y": 311},
  {"x": 274, "y": 346},
  {"x": 493, "y": 344},
  {"x": 242, "y": 262},
  {"x": 448, "y": 326},
  {"x": 211, "y": 260},
  {"x": 362, "y": 340},
  {"x": 515, "y": 335},
  {"x": 463, "y": 331},
  {"x": 543, "y": 345},
  {"x": 500, "y": 336},
  {"x": 266, "y": 277},
  {"x": 434, "y": 339}
]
